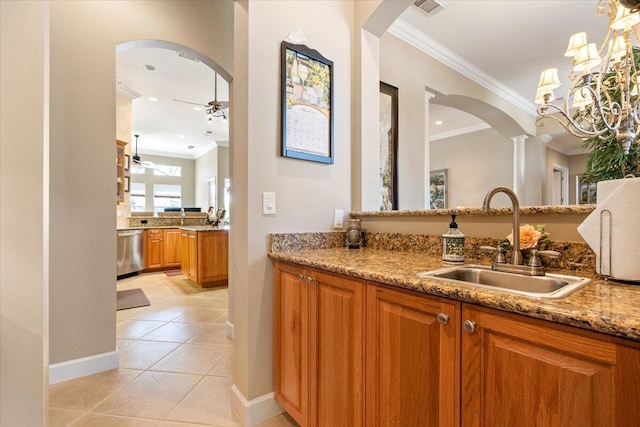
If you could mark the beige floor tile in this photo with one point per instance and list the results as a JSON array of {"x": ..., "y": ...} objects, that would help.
[
  {"x": 224, "y": 367},
  {"x": 150, "y": 395},
  {"x": 175, "y": 332},
  {"x": 202, "y": 315},
  {"x": 143, "y": 354},
  {"x": 98, "y": 420},
  {"x": 84, "y": 393},
  {"x": 211, "y": 334},
  {"x": 120, "y": 344},
  {"x": 283, "y": 420},
  {"x": 122, "y": 315},
  {"x": 208, "y": 403},
  {"x": 177, "y": 424},
  {"x": 161, "y": 313},
  {"x": 191, "y": 359},
  {"x": 61, "y": 417},
  {"x": 134, "y": 329}
]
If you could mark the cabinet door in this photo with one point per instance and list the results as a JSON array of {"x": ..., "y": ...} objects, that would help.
[
  {"x": 412, "y": 359},
  {"x": 184, "y": 248},
  {"x": 154, "y": 248},
  {"x": 291, "y": 336},
  {"x": 336, "y": 322},
  {"x": 172, "y": 247},
  {"x": 213, "y": 256},
  {"x": 527, "y": 372}
]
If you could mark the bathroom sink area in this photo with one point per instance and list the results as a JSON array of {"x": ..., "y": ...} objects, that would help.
[{"x": 549, "y": 286}]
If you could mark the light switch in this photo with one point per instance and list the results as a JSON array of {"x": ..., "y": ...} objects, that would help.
[
  {"x": 268, "y": 203},
  {"x": 338, "y": 218}
]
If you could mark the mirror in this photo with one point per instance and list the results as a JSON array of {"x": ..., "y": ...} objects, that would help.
[{"x": 478, "y": 141}]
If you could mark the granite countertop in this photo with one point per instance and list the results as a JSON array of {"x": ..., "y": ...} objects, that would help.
[
  {"x": 203, "y": 228},
  {"x": 143, "y": 227},
  {"x": 602, "y": 306}
]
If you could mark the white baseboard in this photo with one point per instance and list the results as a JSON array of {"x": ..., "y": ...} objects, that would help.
[
  {"x": 82, "y": 367},
  {"x": 256, "y": 410},
  {"x": 228, "y": 330}
]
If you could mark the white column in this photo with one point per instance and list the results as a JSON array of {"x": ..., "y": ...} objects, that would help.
[
  {"x": 518, "y": 165},
  {"x": 428, "y": 96}
]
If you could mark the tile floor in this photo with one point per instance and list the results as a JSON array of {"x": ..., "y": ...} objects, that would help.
[{"x": 175, "y": 365}]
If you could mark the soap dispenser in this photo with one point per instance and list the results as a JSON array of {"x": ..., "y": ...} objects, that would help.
[{"x": 453, "y": 244}]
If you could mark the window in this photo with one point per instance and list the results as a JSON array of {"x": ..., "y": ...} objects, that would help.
[
  {"x": 137, "y": 169},
  {"x": 167, "y": 170},
  {"x": 137, "y": 196},
  {"x": 166, "y": 196},
  {"x": 227, "y": 196}
]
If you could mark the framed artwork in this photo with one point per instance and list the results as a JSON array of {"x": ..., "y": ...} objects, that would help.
[
  {"x": 307, "y": 104},
  {"x": 127, "y": 184},
  {"x": 388, "y": 147},
  {"x": 438, "y": 189},
  {"x": 127, "y": 162}
]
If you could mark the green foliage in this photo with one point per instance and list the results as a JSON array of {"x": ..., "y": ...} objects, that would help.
[{"x": 607, "y": 159}]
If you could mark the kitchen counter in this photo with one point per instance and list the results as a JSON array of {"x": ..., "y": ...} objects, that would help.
[
  {"x": 203, "y": 228},
  {"x": 603, "y": 306}
]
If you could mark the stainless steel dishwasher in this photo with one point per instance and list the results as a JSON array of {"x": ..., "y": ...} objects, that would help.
[{"x": 129, "y": 251}]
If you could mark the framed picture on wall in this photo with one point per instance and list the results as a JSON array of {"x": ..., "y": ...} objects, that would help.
[
  {"x": 307, "y": 104},
  {"x": 438, "y": 189},
  {"x": 388, "y": 147},
  {"x": 585, "y": 191}
]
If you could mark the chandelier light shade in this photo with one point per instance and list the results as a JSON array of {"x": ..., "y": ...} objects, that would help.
[{"x": 603, "y": 83}]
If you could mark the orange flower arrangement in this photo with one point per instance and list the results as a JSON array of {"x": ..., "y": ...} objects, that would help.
[{"x": 530, "y": 236}]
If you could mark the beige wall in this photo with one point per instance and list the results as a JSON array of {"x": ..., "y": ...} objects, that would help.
[
  {"x": 306, "y": 192},
  {"x": 24, "y": 137},
  {"x": 83, "y": 130},
  {"x": 214, "y": 163},
  {"x": 206, "y": 168}
]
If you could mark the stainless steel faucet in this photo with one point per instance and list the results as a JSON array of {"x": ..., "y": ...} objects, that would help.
[{"x": 516, "y": 255}]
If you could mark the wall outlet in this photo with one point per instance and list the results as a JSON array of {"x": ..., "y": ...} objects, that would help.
[
  {"x": 338, "y": 218},
  {"x": 268, "y": 203}
]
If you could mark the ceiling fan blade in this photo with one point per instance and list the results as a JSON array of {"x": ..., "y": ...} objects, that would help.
[
  {"x": 147, "y": 164},
  {"x": 192, "y": 103}
]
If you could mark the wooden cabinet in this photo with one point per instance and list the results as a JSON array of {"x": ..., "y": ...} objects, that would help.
[
  {"x": 436, "y": 362},
  {"x": 172, "y": 247},
  {"x": 320, "y": 336},
  {"x": 120, "y": 171},
  {"x": 205, "y": 256},
  {"x": 528, "y": 372},
  {"x": 162, "y": 248},
  {"x": 154, "y": 248},
  {"x": 413, "y": 357}
]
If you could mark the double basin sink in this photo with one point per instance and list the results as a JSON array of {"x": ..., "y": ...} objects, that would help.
[{"x": 549, "y": 286}]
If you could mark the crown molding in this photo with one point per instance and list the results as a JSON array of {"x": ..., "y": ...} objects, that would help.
[
  {"x": 458, "y": 132},
  {"x": 410, "y": 34},
  {"x": 562, "y": 149}
]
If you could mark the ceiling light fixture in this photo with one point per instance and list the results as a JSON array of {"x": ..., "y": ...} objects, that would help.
[
  {"x": 149, "y": 67},
  {"x": 605, "y": 101},
  {"x": 438, "y": 122},
  {"x": 152, "y": 99}
]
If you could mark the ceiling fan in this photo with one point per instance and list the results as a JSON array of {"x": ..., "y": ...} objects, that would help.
[
  {"x": 214, "y": 108},
  {"x": 137, "y": 161}
]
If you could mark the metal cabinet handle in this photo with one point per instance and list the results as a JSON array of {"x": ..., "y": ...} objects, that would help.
[
  {"x": 469, "y": 326},
  {"x": 309, "y": 279},
  {"x": 301, "y": 276},
  {"x": 443, "y": 318}
]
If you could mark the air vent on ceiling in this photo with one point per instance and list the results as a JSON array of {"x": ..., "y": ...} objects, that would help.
[
  {"x": 191, "y": 147},
  {"x": 430, "y": 7},
  {"x": 208, "y": 133}
]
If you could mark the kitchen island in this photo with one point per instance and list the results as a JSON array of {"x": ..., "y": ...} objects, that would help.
[{"x": 205, "y": 255}]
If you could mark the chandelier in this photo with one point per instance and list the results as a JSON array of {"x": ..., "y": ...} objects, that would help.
[{"x": 604, "y": 80}]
